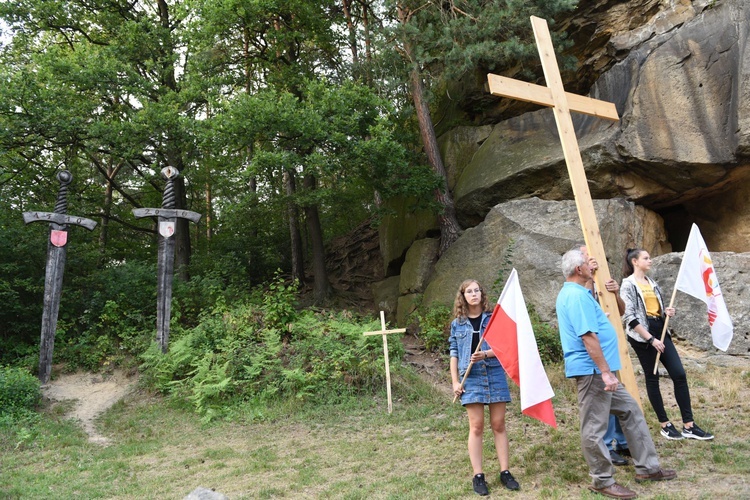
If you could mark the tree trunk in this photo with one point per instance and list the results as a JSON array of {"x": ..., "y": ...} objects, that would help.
[
  {"x": 182, "y": 246},
  {"x": 368, "y": 42},
  {"x": 298, "y": 263},
  {"x": 322, "y": 290},
  {"x": 106, "y": 211},
  {"x": 347, "y": 4},
  {"x": 209, "y": 218},
  {"x": 450, "y": 229}
]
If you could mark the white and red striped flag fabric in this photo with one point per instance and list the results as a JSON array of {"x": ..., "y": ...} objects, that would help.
[
  {"x": 697, "y": 277},
  {"x": 511, "y": 337}
]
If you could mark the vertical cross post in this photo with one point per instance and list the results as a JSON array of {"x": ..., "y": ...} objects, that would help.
[
  {"x": 56, "y": 255},
  {"x": 167, "y": 215},
  {"x": 562, "y": 103},
  {"x": 384, "y": 333}
]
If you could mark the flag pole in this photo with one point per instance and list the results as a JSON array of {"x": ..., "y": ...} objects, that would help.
[
  {"x": 664, "y": 330},
  {"x": 468, "y": 368}
]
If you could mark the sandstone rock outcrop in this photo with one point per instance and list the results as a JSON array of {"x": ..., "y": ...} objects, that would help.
[
  {"x": 691, "y": 320},
  {"x": 682, "y": 88},
  {"x": 678, "y": 72},
  {"x": 531, "y": 235}
]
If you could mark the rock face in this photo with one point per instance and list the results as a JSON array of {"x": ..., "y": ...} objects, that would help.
[
  {"x": 681, "y": 84},
  {"x": 691, "y": 320},
  {"x": 678, "y": 72},
  {"x": 531, "y": 235}
]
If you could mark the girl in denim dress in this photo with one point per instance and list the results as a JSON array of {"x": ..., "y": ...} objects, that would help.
[{"x": 486, "y": 383}]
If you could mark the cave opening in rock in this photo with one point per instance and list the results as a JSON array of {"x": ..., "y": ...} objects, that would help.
[{"x": 677, "y": 222}]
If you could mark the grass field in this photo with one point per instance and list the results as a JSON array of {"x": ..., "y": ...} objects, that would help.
[{"x": 356, "y": 450}]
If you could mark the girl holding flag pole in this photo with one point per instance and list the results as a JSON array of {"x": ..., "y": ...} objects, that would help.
[
  {"x": 484, "y": 384},
  {"x": 644, "y": 320}
]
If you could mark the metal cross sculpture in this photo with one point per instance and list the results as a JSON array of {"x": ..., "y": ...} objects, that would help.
[
  {"x": 562, "y": 103},
  {"x": 56, "y": 253},
  {"x": 167, "y": 215}
]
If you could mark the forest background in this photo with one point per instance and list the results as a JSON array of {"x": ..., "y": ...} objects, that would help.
[{"x": 291, "y": 123}]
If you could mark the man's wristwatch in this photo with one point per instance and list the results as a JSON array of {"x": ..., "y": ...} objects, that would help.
[{"x": 651, "y": 340}]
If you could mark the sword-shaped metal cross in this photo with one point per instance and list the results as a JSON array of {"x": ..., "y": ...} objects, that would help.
[
  {"x": 56, "y": 253},
  {"x": 165, "y": 270}
]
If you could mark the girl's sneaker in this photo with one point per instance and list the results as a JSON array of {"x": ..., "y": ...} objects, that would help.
[
  {"x": 480, "y": 485},
  {"x": 508, "y": 480},
  {"x": 669, "y": 432},
  {"x": 696, "y": 432}
]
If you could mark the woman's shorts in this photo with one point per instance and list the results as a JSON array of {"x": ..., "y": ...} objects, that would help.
[{"x": 485, "y": 384}]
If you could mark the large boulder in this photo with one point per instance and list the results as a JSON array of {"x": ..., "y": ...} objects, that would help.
[
  {"x": 679, "y": 75},
  {"x": 417, "y": 268},
  {"x": 531, "y": 235},
  {"x": 385, "y": 295},
  {"x": 691, "y": 320},
  {"x": 398, "y": 230},
  {"x": 522, "y": 157},
  {"x": 458, "y": 146}
]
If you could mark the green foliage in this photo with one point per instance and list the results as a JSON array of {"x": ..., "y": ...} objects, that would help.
[
  {"x": 547, "y": 338},
  {"x": 242, "y": 353},
  {"x": 235, "y": 95},
  {"x": 433, "y": 325},
  {"x": 20, "y": 392},
  {"x": 279, "y": 302},
  {"x": 22, "y": 257},
  {"x": 210, "y": 386},
  {"x": 109, "y": 317}
]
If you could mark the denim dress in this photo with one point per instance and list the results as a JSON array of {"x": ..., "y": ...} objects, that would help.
[{"x": 487, "y": 382}]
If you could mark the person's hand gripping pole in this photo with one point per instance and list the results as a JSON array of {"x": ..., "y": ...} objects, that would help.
[{"x": 468, "y": 369}]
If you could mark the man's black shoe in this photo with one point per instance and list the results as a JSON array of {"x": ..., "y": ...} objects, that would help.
[{"x": 617, "y": 459}]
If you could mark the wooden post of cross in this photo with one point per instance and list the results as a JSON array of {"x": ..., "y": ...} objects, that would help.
[
  {"x": 384, "y": 333},
  {"x": 562, "y": 103}
]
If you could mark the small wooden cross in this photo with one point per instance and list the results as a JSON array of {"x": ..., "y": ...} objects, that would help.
[
  {"x": 562, "y": 103},
  {"x": 384, "y": 333}
]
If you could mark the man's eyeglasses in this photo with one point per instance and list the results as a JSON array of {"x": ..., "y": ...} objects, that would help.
[{"x": 476, "y": 290}]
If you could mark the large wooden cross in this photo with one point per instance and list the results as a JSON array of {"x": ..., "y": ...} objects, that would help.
[
  {"x": 562, "y": 103},
  {"x": 384, "y": 333}
]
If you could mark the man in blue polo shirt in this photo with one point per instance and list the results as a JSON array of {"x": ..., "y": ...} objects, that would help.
[{"x": 589, "y": 345}]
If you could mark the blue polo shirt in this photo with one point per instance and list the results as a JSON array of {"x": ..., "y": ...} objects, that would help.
[{"x": 577, "y": 314}]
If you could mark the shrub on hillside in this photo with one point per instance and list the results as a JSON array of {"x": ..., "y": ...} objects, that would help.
[
  {"x": 267, "y": 351},
  {"x": 20, "y": 391},
  {"x": 432, "y": 326},
  {"x": 547, "y": 338}
]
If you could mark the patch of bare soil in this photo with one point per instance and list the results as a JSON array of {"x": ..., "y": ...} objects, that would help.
[
  {"x": 92, "y": 393},
  {"x": 427, "y": 364}
]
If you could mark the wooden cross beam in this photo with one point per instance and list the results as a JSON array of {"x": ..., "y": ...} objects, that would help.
[
  {"x": 562, "y": 103},
  {"x": 384, "y": 333}
]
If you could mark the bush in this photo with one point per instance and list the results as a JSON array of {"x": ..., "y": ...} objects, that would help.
[
  {"x": 433, "y": 326},
  {"x": 239, "y": 354},
  {"x": 20, "y": 391},
  {"x": 547, "y": 338}
]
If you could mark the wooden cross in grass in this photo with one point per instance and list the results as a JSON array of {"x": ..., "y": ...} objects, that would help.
[
  {"x": 562, "y": 103},
  {"x": 384, "y": 333}
]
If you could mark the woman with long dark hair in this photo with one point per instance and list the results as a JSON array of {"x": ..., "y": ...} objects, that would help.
[
  {"x": 644, "y": 320},
  {"x": 486, "y": 383}
]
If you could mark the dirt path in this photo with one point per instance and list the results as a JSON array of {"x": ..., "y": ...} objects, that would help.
[{"x": 93, "y": 395}]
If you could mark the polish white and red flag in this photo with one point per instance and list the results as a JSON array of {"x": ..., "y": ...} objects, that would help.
[
  {"x": 697, "y": 277},
  {"x": 511, "y": 337}
]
